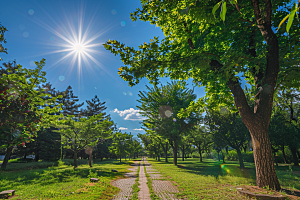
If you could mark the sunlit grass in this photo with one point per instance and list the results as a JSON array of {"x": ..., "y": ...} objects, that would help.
[
  {"x": 213, "y": 180},
  {"x": 63, "y": 181}
]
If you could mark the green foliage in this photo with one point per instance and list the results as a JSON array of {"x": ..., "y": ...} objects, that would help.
[
  {"x": 2, "y": 39},
  {"x": 21, "y": 114},
  {"x": 49, "y": 144},
  {"x": 120, "y": 145},
  {"x": 233, "y": 156},
  {"x": 92, "y": 174}
]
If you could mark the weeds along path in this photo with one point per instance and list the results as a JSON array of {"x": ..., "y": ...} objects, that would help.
[
  {"x": 125, "y": 184},
  {"x": 163, "y": 189}
]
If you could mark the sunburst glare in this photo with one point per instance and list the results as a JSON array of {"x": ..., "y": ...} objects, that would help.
[{"x": 75, "y": 40}]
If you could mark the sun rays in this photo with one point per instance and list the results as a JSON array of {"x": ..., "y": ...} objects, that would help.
[{"x": 77, "y": 43}]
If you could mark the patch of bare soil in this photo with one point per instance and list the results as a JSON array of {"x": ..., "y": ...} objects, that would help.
[{"x": 291, "y": 194}]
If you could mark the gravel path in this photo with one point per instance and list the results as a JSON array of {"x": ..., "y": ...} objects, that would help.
[
  {"x": 164, "y": 189},
  {"x": 126, "y": 184}
]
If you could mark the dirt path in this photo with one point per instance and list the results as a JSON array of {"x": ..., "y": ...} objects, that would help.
[{"x": 125, "y": 184}]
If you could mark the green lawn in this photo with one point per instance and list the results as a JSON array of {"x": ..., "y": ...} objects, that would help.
[
  {"x": 62, "y": 181},
  {"x": 212, "y": 180}
]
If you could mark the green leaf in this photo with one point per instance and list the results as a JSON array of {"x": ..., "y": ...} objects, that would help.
[
  {"x": 291, "y": 18},
  {"x": 216, "y": 8},
  {"x": 223, "y": 11}
]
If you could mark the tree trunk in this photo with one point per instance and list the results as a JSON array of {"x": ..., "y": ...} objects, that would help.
[
  {"x": 120, "y": 158},
  {"x": 240, "y": 156},
  {"x": 263, "y": 158},
  {"x": 166, "y": 153},
  {"x": 90, "y": 160},
  {"x": 219, "y": 155},
  {"x": 283, "y": 153},
  {"x": 75, "y": 159},
  {"x": 295, "y": 157},
  {"x": 7, "y": 157},
  {"x": 298, "y": 154},
  {"x": 223, "y": 156},
  {"x": 175, "y": 152},
  {"x": 182, "y": 152},
  {"x": 200, "y": 154},
  {"x": 25, "y": 155}
]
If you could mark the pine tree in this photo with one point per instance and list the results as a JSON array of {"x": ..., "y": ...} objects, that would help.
[
  {"x": 95, "y": 107},
  {"x": 69, "y": 106}
]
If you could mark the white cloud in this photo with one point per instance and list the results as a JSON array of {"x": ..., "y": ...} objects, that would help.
[
  {"x": 130, "y": 114},
  {"x": 138, "y": 129},
  {"x": 130, "y": 93},
  {"x": 124, "y": 93},
  {"x": 123, "y": 128}
]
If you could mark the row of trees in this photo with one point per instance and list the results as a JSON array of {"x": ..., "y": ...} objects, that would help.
[
  {"x": 37, "y": 119},
  {"x": 218, "y": 54},
  {"x": 220, "y": 129}
]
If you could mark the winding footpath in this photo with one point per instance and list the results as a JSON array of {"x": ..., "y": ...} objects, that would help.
[{"x": 164, "y": 189}]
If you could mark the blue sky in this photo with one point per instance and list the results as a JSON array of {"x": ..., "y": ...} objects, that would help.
[{"x": 42, "y": 29}]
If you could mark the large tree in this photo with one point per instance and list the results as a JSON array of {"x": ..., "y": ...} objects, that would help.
[
  {"x": 162, "y": 104},
  {"x": 21, "y": 114},
  {"x": 202, "y": 138},
  {"x": 218, "y": 54},
  {"x": 229, "y": 128}
]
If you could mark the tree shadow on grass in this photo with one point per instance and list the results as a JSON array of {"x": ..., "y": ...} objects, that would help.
[
  {"x": 215, "y": 168},
  {"x": 54, "y": 175}
]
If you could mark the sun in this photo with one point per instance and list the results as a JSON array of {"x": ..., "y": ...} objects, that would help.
[
  {"x": 78, "y": 48},
  {"x": 75, "y": 41}
]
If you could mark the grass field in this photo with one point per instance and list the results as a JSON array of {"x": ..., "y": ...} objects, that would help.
[
  {"x": 212, "y": 180},
  {"x": 62, "y": 181}
]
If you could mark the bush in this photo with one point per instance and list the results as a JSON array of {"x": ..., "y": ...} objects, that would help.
[
  {"x": 288, "y": 155},
  {"x": 233, "y": 156}
]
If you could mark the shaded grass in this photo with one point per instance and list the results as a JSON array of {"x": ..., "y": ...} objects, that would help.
[
  {"x": 153, "y": 196},
  {"x": 212, "y": 180},
  {"x": 135, "y": 186},
  {"x": 63, "y": 181}
]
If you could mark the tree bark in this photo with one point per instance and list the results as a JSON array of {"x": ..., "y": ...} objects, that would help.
[
  {"x": 25, "y": 155},
  {"x": 90, "y": 160},
  {"x": 295, "y": 157},
  {"x": 166, "y": 152},
  {"x": 283, "y": 153},
  {"x": 240, "y": 158},
  {"x": 200, "y": 153},
  {"x": 182, "y": 152},
  {"x": 223, "y": 156},
  {"x": 264, "y": 164},
  {"x": 7, "y": 157},
  {"x": 219, "y": 155},
  {"x": 175, "y": 152},
  {"x": 75, "y": 159}
]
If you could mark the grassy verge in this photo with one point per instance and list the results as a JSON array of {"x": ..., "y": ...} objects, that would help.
[
  {"x": 63, "y": 181},
  {"x": 153, "y": 196},
  {"x": 135, "y": 187},
  {"x": 213, "y": 180}
]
